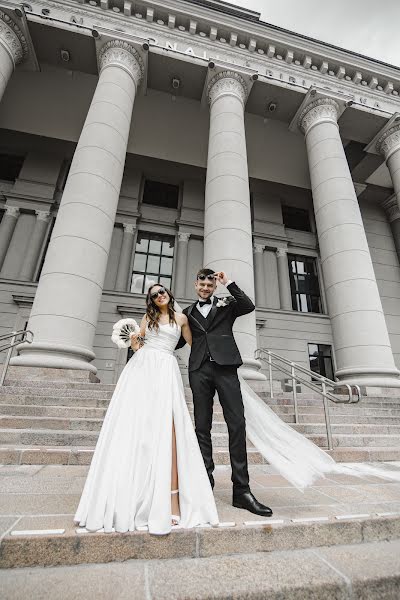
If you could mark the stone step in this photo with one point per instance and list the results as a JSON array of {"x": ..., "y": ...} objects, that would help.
[
  {"x": 341, "y": 419},
  {"x": 68, "y": 424},
  {"x": 348, "y": 428},
  {"x": 52, "y": 401},
  {"x": 340, "y": 410},
  {"x": 69, "y": 412},
  {"x": 355, "y": 441},
  {"x": 363, "y": 571},
  {"x": 72, "y": 548},
  {"x": 17, "y": 454},
  {"x": 58, "y": 385},
  {"x": 54, "y": 393}
]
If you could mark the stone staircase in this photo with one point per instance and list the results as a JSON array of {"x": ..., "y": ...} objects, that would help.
[{"x": 44, "y": 422}]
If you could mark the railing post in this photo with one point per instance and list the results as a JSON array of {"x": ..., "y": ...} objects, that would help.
[
  {"x": 5, "y": 367},
  {"x": 294, "y": 389},
  {"x": 270, "y": 374},
  {"x": 327, "y": 418}
]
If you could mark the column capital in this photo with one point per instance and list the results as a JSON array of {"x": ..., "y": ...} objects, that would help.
[
  {"x": 389, "y": 141},
  {"x": 12, "y": 211},
  {"x": 129, "y": 228},
  {"x": 392, "y": 208},
  {"x": 258, "y": 248},
  {"x": 281, "y": 252},
  {"x": 183, "y": 236},
  {"x": 122, "y": 54},
  {"x": 12, "y": 38},
  {"x": 227, "y": 83},
  {"x": 318, "y": 111},
  {"x": 42, "y": 215}
]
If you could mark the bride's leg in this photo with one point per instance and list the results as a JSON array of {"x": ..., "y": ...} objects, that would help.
[{"x": 175, "y": 510}]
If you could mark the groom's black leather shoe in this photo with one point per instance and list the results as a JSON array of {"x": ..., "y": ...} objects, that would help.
[{"x": 250, "y": 503}]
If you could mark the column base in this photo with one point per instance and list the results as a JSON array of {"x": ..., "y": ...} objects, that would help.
[
  {"x": 250, "y": 370},
  {"x": 50, "y": 374},
  {"x": 54, "y": 356},
  {"x": 384, "y": 378}
]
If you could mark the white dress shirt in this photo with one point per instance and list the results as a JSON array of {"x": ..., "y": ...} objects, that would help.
[{"x": 205, "y": 309}]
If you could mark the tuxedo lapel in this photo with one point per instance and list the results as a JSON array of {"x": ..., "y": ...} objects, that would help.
[
  {"x": 212, "y": 313},
  {"x": 189, "y": 314}
]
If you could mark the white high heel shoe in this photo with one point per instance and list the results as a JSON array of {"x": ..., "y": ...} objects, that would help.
[{"x": 175, "y": 518}]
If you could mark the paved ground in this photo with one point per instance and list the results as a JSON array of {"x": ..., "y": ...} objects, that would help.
[{"x": 45, "y": 497}]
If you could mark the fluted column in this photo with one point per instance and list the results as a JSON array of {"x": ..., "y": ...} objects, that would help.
[
  {"x": 227, "y": 222},
  {"x": 125, "y": 257},
  {"x": 13, "y": 49},
  {"x": 362, "y": 347},
  {"x": 285, "y": 295},
  {"x": 259, "y": 275},
  {"x": 65, "y": 310},
  {"x": 7, "y": 227},
  {"x": 35, "y": 244},
  {"x": 392, "y": 210},
  {"x": 181, "y": 264}
]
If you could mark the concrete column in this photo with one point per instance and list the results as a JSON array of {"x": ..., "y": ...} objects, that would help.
[
  {"x": 65, "y": 310},
  {"x": 181, "y": 264},
  {"x": 35, "y": 244},
  {"x": 392, "y": 209},
  {"x": 259, "y": 275},
  {"x": 7, "y": 227},
  {"x": 227, "y": 222},
  {"x": 362, "y": 347},
  {"x": 285, "y": 294},
  {"x": 13, "y": 49},
  {"x": 124, "y": 263},
  {"x": 389, "y": 146}
]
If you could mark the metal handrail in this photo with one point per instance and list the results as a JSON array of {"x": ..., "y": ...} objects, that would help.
[
  {"x": 26, "y": 336},
  {"x": 290, "y": 367}
]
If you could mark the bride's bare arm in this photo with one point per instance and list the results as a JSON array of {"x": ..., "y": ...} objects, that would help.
[
  {"x": 185, "y": 329},
  {"x": 136, "y": 343}
]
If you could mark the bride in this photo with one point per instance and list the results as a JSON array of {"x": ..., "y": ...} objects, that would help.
[{"x": 147, "y": 470}]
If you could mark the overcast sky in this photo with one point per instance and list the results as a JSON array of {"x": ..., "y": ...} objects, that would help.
[{"x": 370, "y": 27}]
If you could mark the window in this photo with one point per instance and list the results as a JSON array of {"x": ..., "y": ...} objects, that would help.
[
  {"x": 10, "y": 166},
  {"x": 296, "y": 218},
  {"x": 304, "y": 284},
  {"x": 320, "y": 356},
  {"x": 160, "y": 194},
  {"x": 154, "y": 255}
]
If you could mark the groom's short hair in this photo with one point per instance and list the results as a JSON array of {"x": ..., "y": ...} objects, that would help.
[{"x": 204, "y": 272}]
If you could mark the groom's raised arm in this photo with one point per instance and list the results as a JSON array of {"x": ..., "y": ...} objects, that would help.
[{"x": 243, "y": 304}]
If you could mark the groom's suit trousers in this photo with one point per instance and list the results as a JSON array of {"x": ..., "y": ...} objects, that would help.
[{"x": 211, "y": 377}]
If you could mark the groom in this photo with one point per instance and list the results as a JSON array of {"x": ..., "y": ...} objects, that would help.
[{"x": 213, "y": 364}]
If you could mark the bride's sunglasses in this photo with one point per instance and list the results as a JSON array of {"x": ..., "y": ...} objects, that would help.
[
  {"x": 161, "y": 291},
  {"x": 204, "y": 277}
]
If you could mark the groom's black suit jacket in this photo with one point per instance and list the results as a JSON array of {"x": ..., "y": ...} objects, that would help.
[{"x": 212, "y": 336}]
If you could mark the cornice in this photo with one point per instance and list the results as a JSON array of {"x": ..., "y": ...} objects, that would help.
[{"x": 269, "y": 46}]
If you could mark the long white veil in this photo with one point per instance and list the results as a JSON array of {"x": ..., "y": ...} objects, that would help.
[{"x": 294, "y": 456}]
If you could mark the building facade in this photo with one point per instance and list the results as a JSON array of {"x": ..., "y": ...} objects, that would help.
[{"x": 142, "y": 140}]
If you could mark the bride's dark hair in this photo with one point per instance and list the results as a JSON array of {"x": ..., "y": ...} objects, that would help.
[{"x": 152, "y": 310}]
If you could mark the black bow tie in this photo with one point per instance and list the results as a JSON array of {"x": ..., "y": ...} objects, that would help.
[{"x": 202, "y": 303}]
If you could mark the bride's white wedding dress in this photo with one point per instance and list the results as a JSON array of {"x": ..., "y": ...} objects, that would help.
[{"x": 129, "y": 481}]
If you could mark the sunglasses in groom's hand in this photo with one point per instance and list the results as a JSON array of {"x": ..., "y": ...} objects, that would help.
[{"x": 221, "y": 277}]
